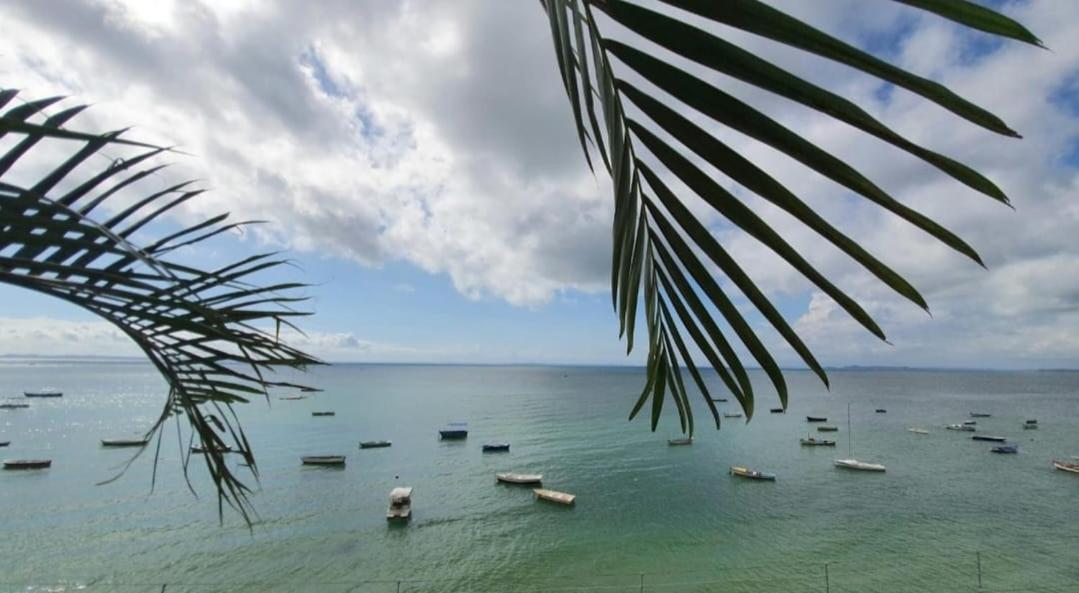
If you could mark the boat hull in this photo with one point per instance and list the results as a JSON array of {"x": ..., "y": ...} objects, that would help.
[
  {"x": 374, "y": 444},
  {"x": 863, "y": 466},
  {"x": 827, "y": 429},
  {"x": 324, "y": 460},
  {"x": 1065, "y": 466},
  {"x": 42, "y": 394},
  {"x": 118, "y": 443},
  {"x": 989, "y": 438},
  {"x": 497, "y": 448},
  {"x": 23, "y": 464},
  {"x": 679, "y": 442},
  {"x": 555, "y": 496},
  {"x": 816, "y": 443},
  {"x": 816, "y": 419},
  {"x": 453, "y": 435},
  {"x": 506, "y": 478}
]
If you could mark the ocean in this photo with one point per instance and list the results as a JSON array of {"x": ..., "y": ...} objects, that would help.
[{"x": 648, "y": 516}]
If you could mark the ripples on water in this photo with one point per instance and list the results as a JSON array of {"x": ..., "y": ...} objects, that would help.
[{"x": 671, "y": 513}]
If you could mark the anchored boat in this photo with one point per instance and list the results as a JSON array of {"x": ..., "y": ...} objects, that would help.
[
  {"x": 400, "y": 504},
  {"x": 960, "y": 427},
  {"x": 751, "y": 474},
  {"x": 199, "y": 449},
  {"x": 454, "y": 431},
  {"x": 4, "y": 443},
  {"x": 27, "y": 463},
  {"x": 882, "y": 411},
  {"x": 554, "y": 496},
  {"x": 812, "y": 442},
  {"x": 680, "y": 442},
  {"x": 374, "y": 444},
  {"x": 979, "y": 415},
  {"x": 324, "y": 460},
  {"x": 916, "y": 430},
  {"x": 511, "y": 478},
  {"x": 852, "y": 463},
  {"x": 827, "y": 429},
  {"x": 816, "y": 419},
  {"x": 124, "y": 442},
  {"x": 777, "y": 410},
  {"x": 43, "y": 394},
  {"x": 1006, "y": 449},
  {"x": 13, "y": 406},
  {"x": 323, "y": 413},
  {"x": 986, "y": 437},
  {"x": 1030, "y": 425},
  {"x": 1066, "y": 466},
  {"x": 732, "y": 415},
  {"x": 496, "y": 448}
]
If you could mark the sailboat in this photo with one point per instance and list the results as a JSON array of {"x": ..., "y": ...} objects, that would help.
[{"x": 851, "y": 462}]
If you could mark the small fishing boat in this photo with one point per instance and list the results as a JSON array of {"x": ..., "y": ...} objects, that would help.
[
  {"x": 27, "y": 463},
  {"x": 1030, "y": 425},
  {"x": 4, "y": 443},
  {"x": 1006, "y": 449},
  {"x": 980, "y": 415},
  {"x": 732, "y": 415},
  {"x": 400, "y": 504},
  {"x": 816, "y": 419},
  {"x": 986, "y": 437},
  {"x": 813, "y": 442},
  {"x": 374, "y": 444},
  {"x": 960, "y": 427},
  {"x": 859, "y": 465},
  {"x": 288, "y": 398},
  {"x": 970, "y": 423},
  {"x": 13, "y": 406},
  {"x": 324, "y": 460},
  {"x": 827, "y": 429},
  {"x": 141, "y": 442},
  {"x": 680, "y": 442},
  {"x": 917, "y": 430},
  {"x": 777, "y": 410},
  {"x": 721, "y": 400},
  {"x": 496, "y": 448},
  {"x": 199, "y": 449},
  {"x": 323, "y": 413},
  {"x": 42, "y": 394},
  {"x": 554, "y": 496},
  {"x": 511, "y": 478},
  {"x": 882, "y": 411},
  {"x": 454, "y": 431},
  {"x": 751, "y": 474},
  {"x": 1066, "y": 466}
]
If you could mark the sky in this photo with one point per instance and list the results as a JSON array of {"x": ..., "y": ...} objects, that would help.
[{"x": 418, "y": 163}]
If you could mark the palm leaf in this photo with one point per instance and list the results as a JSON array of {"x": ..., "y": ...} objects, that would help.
[
  {"x": 202, "y": 329},
  {"x": 660, "y": 247}
]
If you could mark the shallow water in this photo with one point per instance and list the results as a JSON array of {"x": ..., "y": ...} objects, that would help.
[{"x": 672, "y": 514}]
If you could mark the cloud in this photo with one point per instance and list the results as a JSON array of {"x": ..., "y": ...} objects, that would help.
[{"x": 437, "y": 134}]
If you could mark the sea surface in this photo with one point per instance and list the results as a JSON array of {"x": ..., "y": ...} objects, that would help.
[{"x": 648, "y": 516}]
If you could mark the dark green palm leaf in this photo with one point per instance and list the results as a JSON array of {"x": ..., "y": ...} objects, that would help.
[
  {"x": 202, "y": 329},
  {"x": 658, "y": 243}
]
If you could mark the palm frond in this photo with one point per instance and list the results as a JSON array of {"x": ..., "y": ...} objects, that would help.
[
  {"x": 212, "y": 334},
  {"x": 661, "y": 250}
]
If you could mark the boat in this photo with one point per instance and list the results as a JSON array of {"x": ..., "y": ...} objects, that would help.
[
  {"x": 496, "y": 448},
  {"x": 511, "y": 478},
  {"x": 816, "y": 419},
  {"x": 374, "y": 444},
  {"x": 970, "y": 423},
  {"x": 13, "y": 406},
  {"x": 680, "y": 442},
  {"x": 916, "y": 430},
  {"x": 1066, "y": 466},
  {"x": 292, "y": 398},
  {"x": 42, "y": 394},
  {"x": 986, "y": 437},
  {"x": 199, "y": 449},
  {"x": 751, "y": 474},
  {"x": 960, "y": 427},
  {"x": 859, "y": 465},
  {"x": 400, "y": 504},
  {"x": 323, "y": 413},
  {"x": 1030, "y": 425},
  {"x": 980, "y": 415},
  {"x": 453, "y": 433},
  {"x": 882, "y": 411},
  {"x": 4, "y": 443},
  {"x": 812, "y": 442},
  {"x": 1006, "y": 449},
  {"x": 732, "y": 415},
  {"x": 554, "y": 496},
  {"x": 827, "y": 429},
  {"x": 851, "y": 462},
  {"x": 27, "y": 463},
  {"x": 124, "y": 442},
  {"x": 721, "y": 400},
  {"x": 324, "y": 460},
  {"x": 777, "y": 410}
]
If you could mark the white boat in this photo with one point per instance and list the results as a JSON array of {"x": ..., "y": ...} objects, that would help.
[
  {"x": 859, "y": 465},
  {"x": 554, "y": 496},
  {"x": 917, "y": 430},
  {"x": 511, "y": 478},
  {"x": 853, "y": 463},
  {"x": 680, "y": 442},
  {"x": 1065, "y": 466},
  {"x": 960, "y": 427},
  {"x": 400, "y": 504}
]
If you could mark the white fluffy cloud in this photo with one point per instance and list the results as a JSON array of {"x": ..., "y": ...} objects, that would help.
[{"x": 436, "y": 133}]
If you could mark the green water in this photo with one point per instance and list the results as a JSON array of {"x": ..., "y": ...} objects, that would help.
[{"x": 672, "y": 514}]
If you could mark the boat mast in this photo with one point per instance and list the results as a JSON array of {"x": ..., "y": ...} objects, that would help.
[{"x": 850, "y": 435}]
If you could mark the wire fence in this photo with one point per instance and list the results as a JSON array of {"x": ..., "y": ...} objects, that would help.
[{"x": 977, "y": 572}]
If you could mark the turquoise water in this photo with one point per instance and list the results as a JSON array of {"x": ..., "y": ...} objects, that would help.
[{"x": 672, "y": 514}]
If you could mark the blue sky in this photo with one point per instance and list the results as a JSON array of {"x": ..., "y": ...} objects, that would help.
[{"x": 433, "y": 195}]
